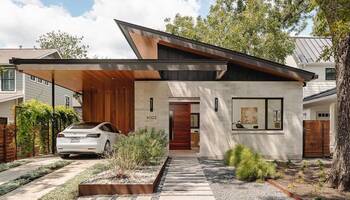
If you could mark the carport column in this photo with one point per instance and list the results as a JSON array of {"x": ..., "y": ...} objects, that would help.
[{"x": 53, "y": 125}]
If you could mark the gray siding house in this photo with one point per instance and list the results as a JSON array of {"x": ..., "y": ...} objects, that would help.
[{"x": 17, "y": 87}]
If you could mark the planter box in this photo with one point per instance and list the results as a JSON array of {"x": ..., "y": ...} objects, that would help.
[{"x": 89, "y": 189}]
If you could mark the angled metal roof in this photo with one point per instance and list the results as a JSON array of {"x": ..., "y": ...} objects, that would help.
[
  {"x": 223, "y": 53},
  {"x": 7, "y": 54},
  {"x": 321, "y": 94},
  {"x": 309, "y": 49}
]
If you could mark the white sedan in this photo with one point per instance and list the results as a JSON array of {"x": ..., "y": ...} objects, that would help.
[{"x": 87, "y": 138}]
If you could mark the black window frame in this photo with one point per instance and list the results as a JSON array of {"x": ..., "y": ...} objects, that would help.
[
  {"x": 266, "y": 113},
  {"x": 8, "y": 79},
  {"x": 327, "y": 74},
  {"x": 39, "y": 80},
  {"x": 67, "y": 103},
  {"x": 32, "y": 78},
  {"x": 198, "y": 125}
]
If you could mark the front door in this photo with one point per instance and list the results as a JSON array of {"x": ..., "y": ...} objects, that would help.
[{"x": 180, "y": 126}]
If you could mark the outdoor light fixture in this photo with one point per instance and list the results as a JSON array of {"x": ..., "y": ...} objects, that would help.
[
  {"x": 151, "y": 104},
  {"x": 216, "y": 104}
]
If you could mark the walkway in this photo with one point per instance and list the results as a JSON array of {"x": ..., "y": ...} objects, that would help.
[
  {"x": 35, "y": 163},
  {"x": 184, "y": 180},
  {"x": 37, "y": 188}
]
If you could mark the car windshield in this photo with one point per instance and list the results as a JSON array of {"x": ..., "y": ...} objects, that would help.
[{"x": 85, "y": 125}]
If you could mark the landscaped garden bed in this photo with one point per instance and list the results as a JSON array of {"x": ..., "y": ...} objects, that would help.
[
  {"x": 135, "y": 167},
  {"x": 307, "y": 180}
]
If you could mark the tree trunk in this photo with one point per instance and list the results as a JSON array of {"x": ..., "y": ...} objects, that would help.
[{"x": 340, "y": 173}]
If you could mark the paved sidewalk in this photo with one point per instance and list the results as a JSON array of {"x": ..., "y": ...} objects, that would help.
[
  {"x": 184, "y": 180},
  {"x": 16, "y": 172},
  {"x": 37, "y": 188}
]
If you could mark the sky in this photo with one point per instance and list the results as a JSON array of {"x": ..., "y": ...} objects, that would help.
[{"x": 23, "y": 21}]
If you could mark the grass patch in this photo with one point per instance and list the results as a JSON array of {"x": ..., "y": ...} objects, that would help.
[
  {"x": 9, "y": 165},
  {"x": 69, "y": 190},
  {"x": 35, "y": 174}
]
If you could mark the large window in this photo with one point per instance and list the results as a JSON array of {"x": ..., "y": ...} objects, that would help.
[
  {"x": 330, "y": 73},
  {"x": 8, "y": 80},
  {"x": 257, "y": 113}
]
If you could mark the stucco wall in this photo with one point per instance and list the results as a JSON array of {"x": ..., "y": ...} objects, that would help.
[{"x": 216, "y": 135}]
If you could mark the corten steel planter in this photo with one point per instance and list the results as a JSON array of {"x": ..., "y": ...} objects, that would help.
[{"x": 119, "y": 188}]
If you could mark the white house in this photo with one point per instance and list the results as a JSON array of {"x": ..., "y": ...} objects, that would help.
[{"x": 17, "y": 87}]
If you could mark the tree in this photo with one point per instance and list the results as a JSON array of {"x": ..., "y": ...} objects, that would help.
[
  {"x": 68, "y": 46},
  {"x": 254, "y": 27},
  {"x": 333, "y": 20}
]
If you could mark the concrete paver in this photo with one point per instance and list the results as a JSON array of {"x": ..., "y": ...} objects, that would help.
[
  {"x": 16, "y": 172},
  {"x": 39, "y": 187}
]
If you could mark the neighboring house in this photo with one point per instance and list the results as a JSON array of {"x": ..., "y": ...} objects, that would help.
[
  {"x": 319, "y": 101},
  {"x": 240, "y": 99},
  {"x": 306, "y": 56},
  {"x": 17, "y": 87}
]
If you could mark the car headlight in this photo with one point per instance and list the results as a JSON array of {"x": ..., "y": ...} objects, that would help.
[{"x": 93, "y": 135}]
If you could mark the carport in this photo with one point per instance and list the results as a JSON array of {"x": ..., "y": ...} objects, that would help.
[{"x": 107, "y": 85}]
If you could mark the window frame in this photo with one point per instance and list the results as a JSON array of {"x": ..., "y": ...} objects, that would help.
[
  {"x": 328, "y": 79},
  {"x": 39, "y": 80},
  {"x": 30, "y": 77},
  {"x": 266, "y": 113},
  {"x": 65, "y": 101},
  {"x": 198, "y": 126},
  {"x": 14, "y": 79}
]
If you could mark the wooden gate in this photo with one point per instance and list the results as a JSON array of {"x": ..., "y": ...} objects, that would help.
[{"x": 316, "y": 138}]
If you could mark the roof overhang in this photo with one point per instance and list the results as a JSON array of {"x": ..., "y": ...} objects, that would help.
[
  {"x": 324, "y": 97},
  {"x": 139, "y": 37},
  {"x": 71, "y": 73}
]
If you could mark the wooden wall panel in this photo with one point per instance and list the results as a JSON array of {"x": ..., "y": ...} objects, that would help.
[
  {"x": 316, "y": 138},
  {"x": 110, "y": 100}
]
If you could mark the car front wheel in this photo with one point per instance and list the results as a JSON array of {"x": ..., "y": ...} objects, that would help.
[{"x": 107, "y": 150}]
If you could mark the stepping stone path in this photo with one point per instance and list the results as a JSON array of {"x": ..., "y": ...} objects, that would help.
[{"x": 184, "y": 180}]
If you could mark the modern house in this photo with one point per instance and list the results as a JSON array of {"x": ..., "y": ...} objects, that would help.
[
  {"x": 231, "y": 97},
  {"x": 17, "y": 87}
]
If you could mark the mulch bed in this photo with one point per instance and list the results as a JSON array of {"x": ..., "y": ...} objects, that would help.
[{"x": 306, "y": 180}]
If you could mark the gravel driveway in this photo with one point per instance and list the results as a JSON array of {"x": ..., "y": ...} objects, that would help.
[{"x": 226, "y": 187}]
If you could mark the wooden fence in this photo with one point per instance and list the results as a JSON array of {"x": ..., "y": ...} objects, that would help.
[
  {"x": 316, "y": 138},
  {"x": 7, "y": 143}
]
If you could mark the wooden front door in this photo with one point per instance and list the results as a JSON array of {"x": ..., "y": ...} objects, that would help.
[{"x": 180, "y": 126}]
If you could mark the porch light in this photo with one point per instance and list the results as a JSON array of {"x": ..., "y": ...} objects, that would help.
[
  {"x": 151, "y": 104},
  {"x": 216, "y": 104}
]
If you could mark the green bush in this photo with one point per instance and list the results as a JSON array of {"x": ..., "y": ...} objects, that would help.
[
  {"x": 142, "y": 147},
  {"x": 233, "y": 156},
  {"x": 253, "y": 167}
]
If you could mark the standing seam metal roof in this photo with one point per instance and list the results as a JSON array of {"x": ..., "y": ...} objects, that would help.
[{"x": 309, "y": 49}]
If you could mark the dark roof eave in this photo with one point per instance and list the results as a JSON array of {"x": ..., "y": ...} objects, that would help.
[
  {"x": 322, "y": 94},
  {"x": 306, "y": 75}
]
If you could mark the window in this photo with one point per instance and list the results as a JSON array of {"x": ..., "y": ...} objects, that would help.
[
  {"x": 46, "y": 82},
  {"x": 322, "y": 115},
  {"x": 108, "y": 128},
  {"x": 257, "y": 113},
  {"x": 8, "y": 80},
  {"x": 32, "y": 78},
  {"x": 330, "y": 73},
  {"x": 67, "y": 101},
  {"x": 40, "y": 80},
  {"x": 85, "y": 125},
  {"x": 194, "y": 120}
]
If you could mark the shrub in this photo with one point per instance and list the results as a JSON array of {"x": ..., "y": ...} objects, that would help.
[
  {"x": 233, "y": 156},
  {"x": 253, "y": 167},
  {"x": 142, "y": 147}
]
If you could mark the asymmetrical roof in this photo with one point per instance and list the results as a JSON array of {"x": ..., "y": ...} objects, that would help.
[
  {"x": 137, "y": 35},
  {"x": 7, "y": 54},
  {"x": 309, "y": 49}
]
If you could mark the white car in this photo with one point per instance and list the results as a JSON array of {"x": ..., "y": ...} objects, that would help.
[{"x": 87, "y": 138}]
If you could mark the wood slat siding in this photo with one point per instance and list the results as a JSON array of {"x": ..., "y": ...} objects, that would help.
[
  {"x": 316, "y": 138},
  {"x": 7, "y": 143},
  {"x": 111, "y": 101}
]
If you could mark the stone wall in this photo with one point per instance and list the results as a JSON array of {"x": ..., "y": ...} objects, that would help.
[{"x": 216, "y": 134}]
